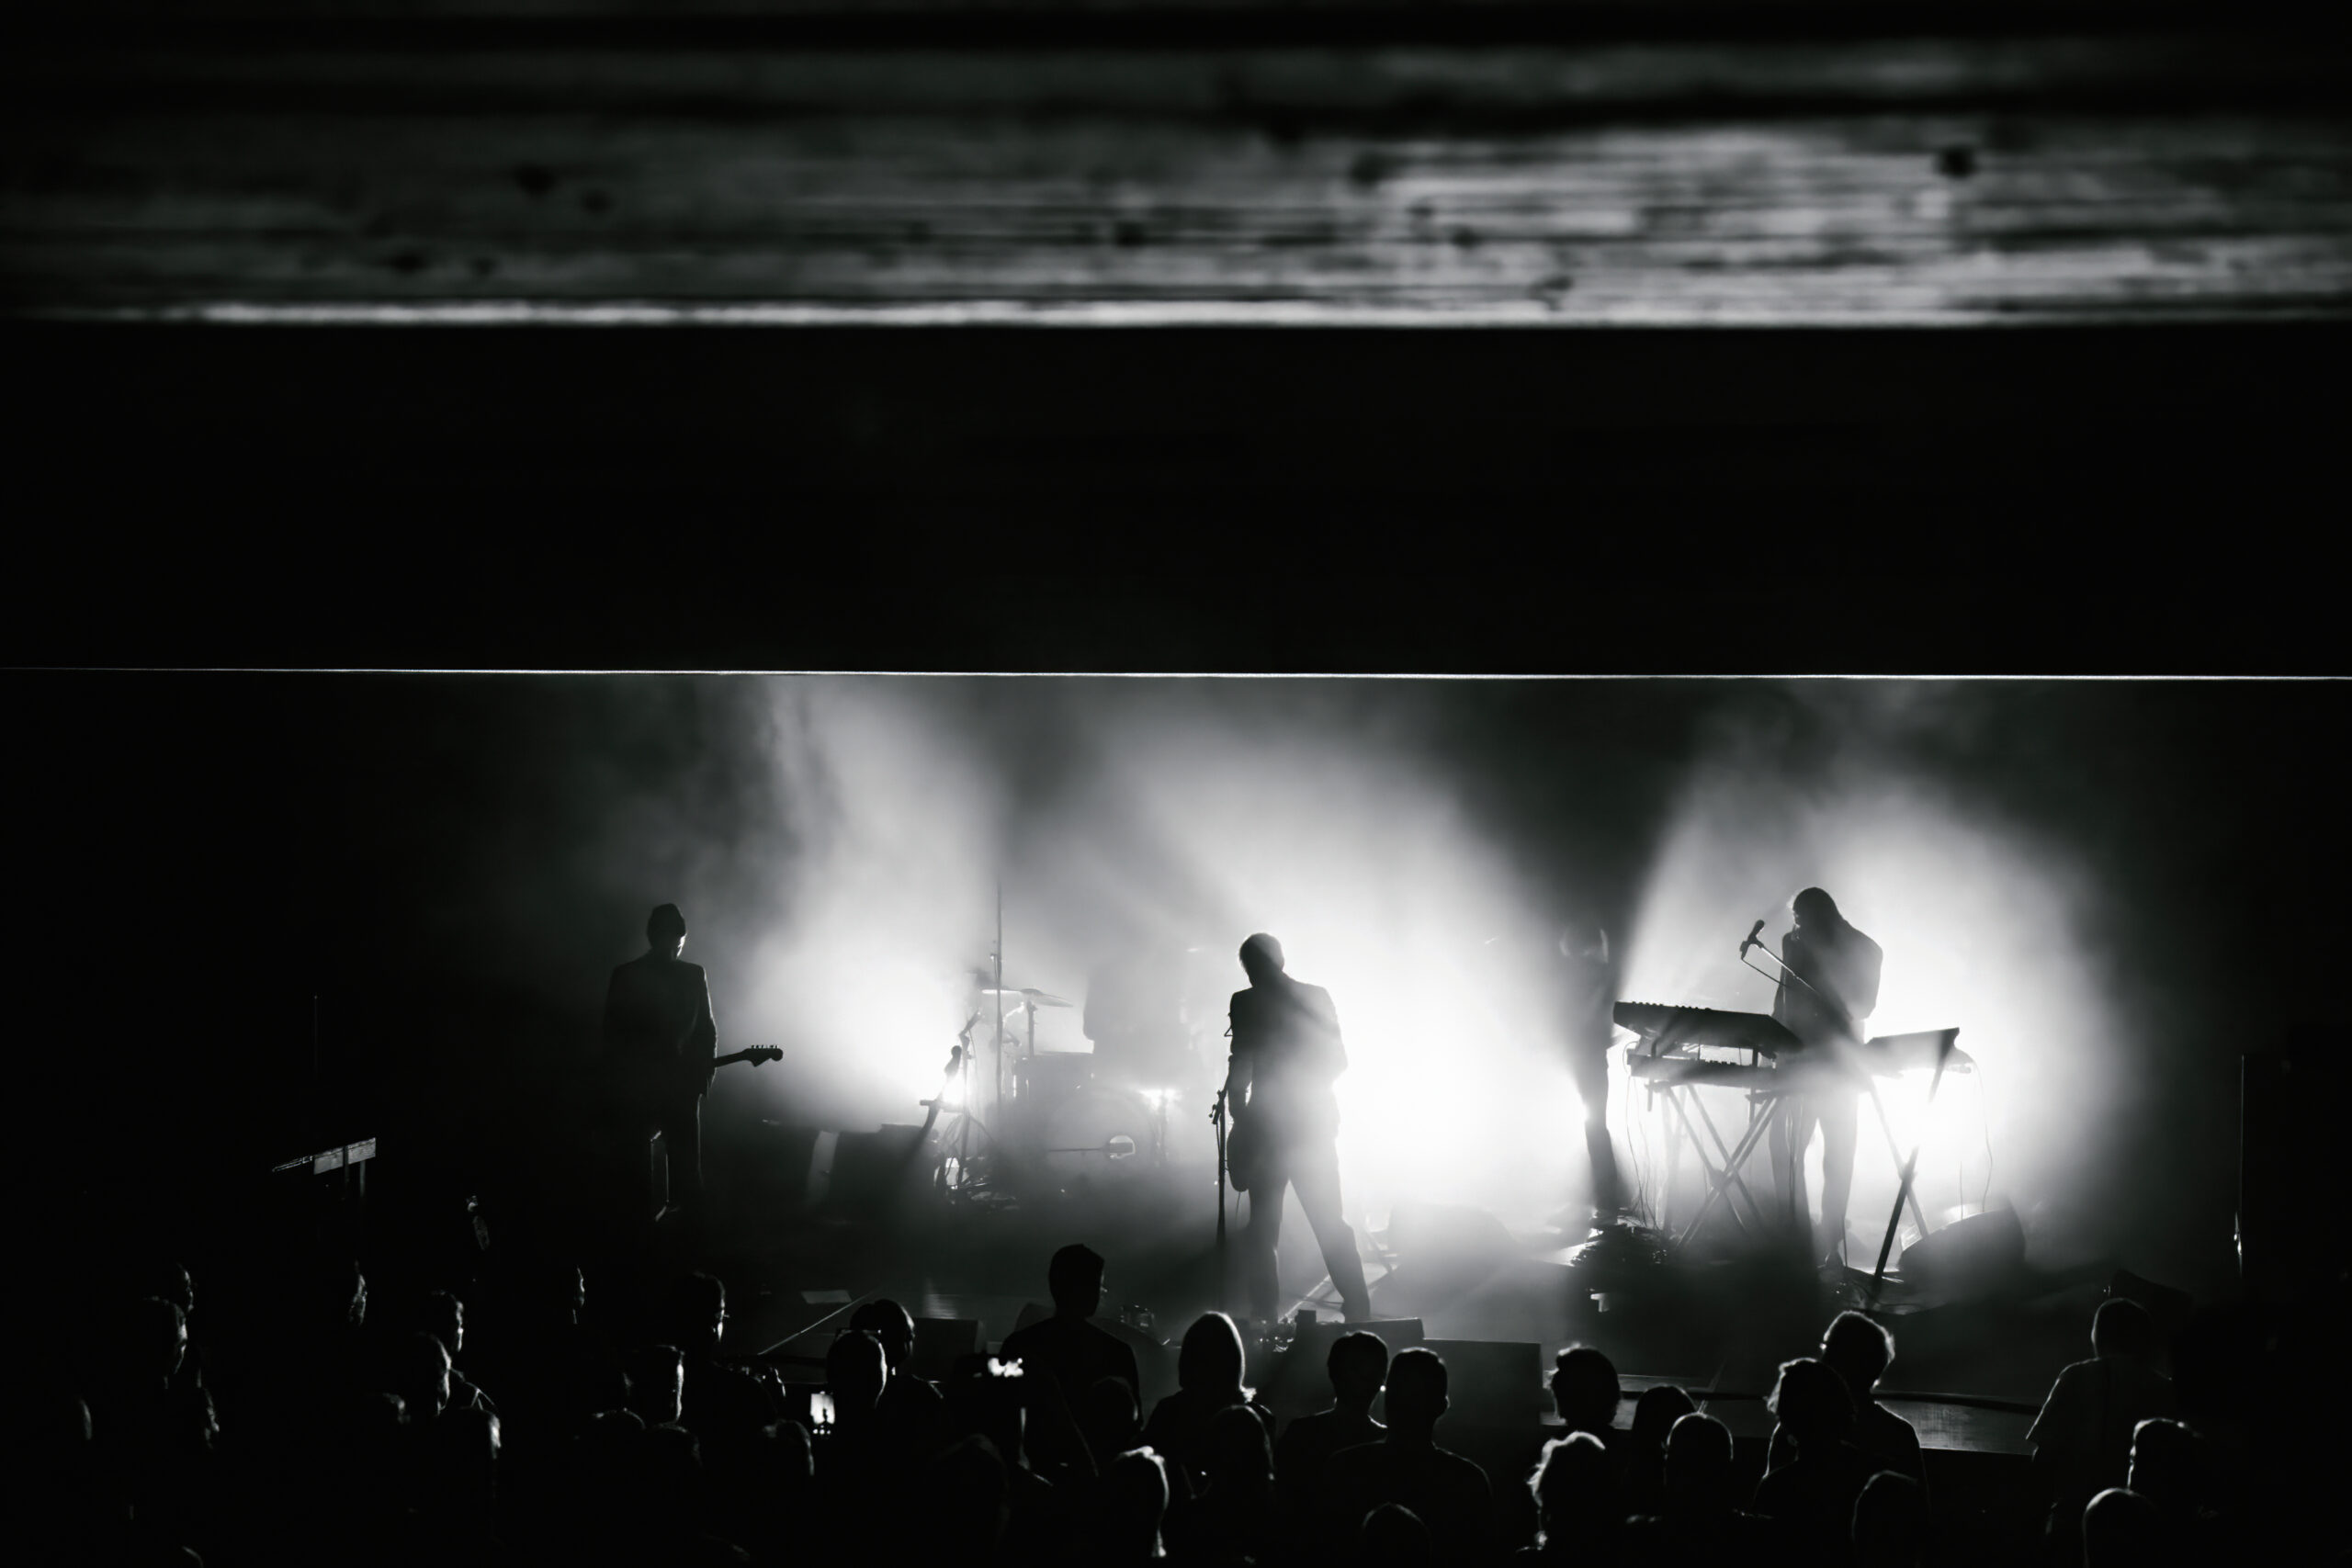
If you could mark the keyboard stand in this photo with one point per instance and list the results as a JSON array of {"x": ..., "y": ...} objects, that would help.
[
  {"x": 1910, "y": 1165},
  {"x": 1722, "y": 1179}
]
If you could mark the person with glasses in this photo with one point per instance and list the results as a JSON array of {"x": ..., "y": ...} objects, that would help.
[{"x": 723, "y": 1405}]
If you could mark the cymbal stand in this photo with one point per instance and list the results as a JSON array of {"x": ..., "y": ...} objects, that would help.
[{"x": 962, "y": 1184}]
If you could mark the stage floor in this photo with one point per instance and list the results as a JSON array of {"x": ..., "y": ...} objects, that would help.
[{"x": 1967, "y": 1375}]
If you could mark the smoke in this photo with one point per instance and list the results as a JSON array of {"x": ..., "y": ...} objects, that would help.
[
  {"x": 863, "y": 970},
  {"x": 1174, "y": 815}
]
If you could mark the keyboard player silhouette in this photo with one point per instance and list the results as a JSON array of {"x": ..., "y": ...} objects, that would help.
[{"x": 1828, "y": 987}]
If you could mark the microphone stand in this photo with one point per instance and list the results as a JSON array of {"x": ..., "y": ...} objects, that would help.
[
  {"x": 1217, "y": 1119},
  {"x": 1843, "y": 1049}
]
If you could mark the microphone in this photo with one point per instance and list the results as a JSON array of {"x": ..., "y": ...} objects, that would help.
[{"x": 1754, "y": 931}]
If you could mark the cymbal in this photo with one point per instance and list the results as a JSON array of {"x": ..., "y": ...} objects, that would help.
[{"x": 1042, "y": 998}]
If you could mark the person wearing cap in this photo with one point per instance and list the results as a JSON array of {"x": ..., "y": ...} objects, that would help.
[
  {"x": 1283, "y": 1125},
  {"x": 660, "y": 1040}
]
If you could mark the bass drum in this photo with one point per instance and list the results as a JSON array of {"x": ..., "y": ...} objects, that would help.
[{"x": 1098, "y": 1136}]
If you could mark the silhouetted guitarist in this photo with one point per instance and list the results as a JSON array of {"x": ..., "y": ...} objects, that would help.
[
  {"x": 1286, "y": 1125},
  {"x": 1839, "y": 970},
  {"x": 660, "y": 1040}
]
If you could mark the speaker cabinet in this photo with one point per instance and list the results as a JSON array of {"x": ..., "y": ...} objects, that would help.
[
  {"x": 1970, "y": 1259},
  {"x": 1298, "y": 1383}
]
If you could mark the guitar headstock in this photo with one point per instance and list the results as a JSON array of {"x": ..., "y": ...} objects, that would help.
[{"x": 758, "y": 1054}]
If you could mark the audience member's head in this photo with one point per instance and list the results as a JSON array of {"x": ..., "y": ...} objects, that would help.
[
  {"x": 697, "y": 1313},
  {"x": 154, "y": 1341},
  {"x": 1890, "y": 1522},
  {"x": 1698, "y": 1467},
  {"x": 894, "y": 1327},
  {"x": 1813, "y": 1405},
  {"x": 1417, "y": 1396},
  {"x": 785, "y": 1459},
  {"x": 856, "y": 1371},
  {"x": 1654, "y": 1414},
  {"x": 1358, "y": 1364},
  {"x": 2121, "y": 1529},
  {"x": 1238, "y": 1454},
  {"x": 1858, "y": 1351},
  {"x": 1132, "y": 1499},
  {"x": 1394, "y": 1537},
  {"x": 1210, "y": 1360},
  {"x": 546, "y": 1293},
  {"x": 2168, "y": 1466},
  {"x": 442, "y": 1316},
  {"x": 1584, "y": 1389},
  {"x": 172, "y": 1282},
  {"x": 1575, "y": 1490},
  {"x": 2123, "y": 1327},
  {"x": 657, "y": 1383},
  {"x": 1074, "y": 1279},
  {"x": 570, "y": 1296},
  {"x": 421, "y": 1376}
]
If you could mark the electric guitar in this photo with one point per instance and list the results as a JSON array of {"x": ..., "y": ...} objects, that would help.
[
  {"x": 637, "y": 1081},
  {"x": 1238, "y": 1140}
]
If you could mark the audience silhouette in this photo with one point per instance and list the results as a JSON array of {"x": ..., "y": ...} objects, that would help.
[
  {"x": 1860, "y": 1350},
  {"x": 1446, "y": 1492},
  {"x": 1358, "y": 1365},
  {"x": 345, "y": 1442},
  {"x": 1654, "y": 1414},
  {"x": 1813, "y": 1494},
  {"x": 1579, "y": 1507},
  {"x": 1702, "y": 1522},
  {"x": 1209, "y": 1364},
  {"x": 2082, "y": 1438}
]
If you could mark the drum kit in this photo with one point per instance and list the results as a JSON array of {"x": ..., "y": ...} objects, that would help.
[{"x": 1054, "y": 1121}]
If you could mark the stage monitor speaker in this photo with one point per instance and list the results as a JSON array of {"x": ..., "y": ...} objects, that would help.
[
  {"x": 869, "y": 1167},
  {"x": 939, "y": 1341},
  {"x": 775, "y": 1169},
  {"x": 1970, "y": 1259},
  {"x": 1298, "y": 1382}
]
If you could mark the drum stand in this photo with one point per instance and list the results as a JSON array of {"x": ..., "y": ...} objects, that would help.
[{"x": 963, "y": 1185}]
